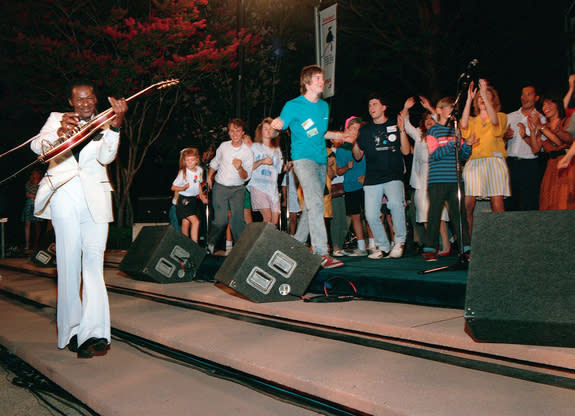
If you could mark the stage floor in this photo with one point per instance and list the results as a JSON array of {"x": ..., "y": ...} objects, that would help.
[
  {"x": 376, "y": 357},
  {"x": 395, "y": 280}
]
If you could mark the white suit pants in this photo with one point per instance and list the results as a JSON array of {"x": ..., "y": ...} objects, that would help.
[{"x": 80, "y": 247}]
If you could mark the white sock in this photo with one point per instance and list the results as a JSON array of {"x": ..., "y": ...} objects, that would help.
[
  {"x": 361, "y": 244},
  {"x": 372, "y": 243},
  {"x": 229, "y": 243}
]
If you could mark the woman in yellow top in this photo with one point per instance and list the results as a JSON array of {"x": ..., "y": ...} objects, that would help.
[{"x": 485, "y": 173}]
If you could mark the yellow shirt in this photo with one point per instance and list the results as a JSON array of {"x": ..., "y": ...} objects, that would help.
[{"x": 490, "y": 137}]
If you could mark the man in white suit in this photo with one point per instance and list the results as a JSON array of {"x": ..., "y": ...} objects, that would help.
[{"x": 75, "y": 194}]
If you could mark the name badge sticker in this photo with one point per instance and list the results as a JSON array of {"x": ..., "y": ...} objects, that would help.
[
  {"x": 312, "y": 132},
  {"x": 391, "y": 129},
  {"x": 307, "y": 124}
]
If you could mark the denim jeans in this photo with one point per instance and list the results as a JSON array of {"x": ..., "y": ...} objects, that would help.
[
  {"x": 394, "y": 194},
  {"x": 312, "y": 176},
  {"x": 222, "y": 198}
]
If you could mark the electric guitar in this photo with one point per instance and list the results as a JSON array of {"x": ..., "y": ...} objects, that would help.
[{"x": 81, "y": 133}]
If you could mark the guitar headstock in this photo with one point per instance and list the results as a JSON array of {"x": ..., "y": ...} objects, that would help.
[
  {"x": 165, "y": 84},
  {"x": 154, "y": 87}
]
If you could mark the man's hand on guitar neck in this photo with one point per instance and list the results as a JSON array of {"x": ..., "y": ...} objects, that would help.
[{"x": 119, "y": 107}]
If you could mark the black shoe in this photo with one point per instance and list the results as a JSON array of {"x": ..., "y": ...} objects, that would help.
[
  {"x": 73, "y": 344},
  {"x": 93, "y": 346}
]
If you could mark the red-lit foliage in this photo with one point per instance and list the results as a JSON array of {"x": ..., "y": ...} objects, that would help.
[{"x": 122, "y": 51}]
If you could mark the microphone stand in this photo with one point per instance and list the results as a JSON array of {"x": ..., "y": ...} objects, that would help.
[
  {"x": 287, "y": 160},
  {"x": 462, "y": 262}
]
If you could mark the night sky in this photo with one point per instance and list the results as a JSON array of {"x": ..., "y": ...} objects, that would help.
[{"x": 515, "y": 43}]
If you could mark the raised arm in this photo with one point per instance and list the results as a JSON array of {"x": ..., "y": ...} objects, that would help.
[
  {"x": 467, "y": 109},
  {"x": 426, "y": 104},
  {"x": 405, "y": 145},
  {"x": 569, "y": 93},
  {"x": 488, "y": 105}
]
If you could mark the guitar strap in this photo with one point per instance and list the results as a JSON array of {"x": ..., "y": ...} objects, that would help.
[{"x": 76, "y": 150}]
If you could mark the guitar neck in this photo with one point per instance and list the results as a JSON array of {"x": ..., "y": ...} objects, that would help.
[{"x": 106, "y": 113}]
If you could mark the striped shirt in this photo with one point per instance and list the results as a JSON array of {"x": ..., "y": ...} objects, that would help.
[{"x": 441, "y": 144}]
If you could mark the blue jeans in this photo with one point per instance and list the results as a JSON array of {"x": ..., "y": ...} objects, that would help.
[
  {"x": 394, "y": 193},
  {"x": 222, "y": 198},
  {"x": 312, "y": 176}
]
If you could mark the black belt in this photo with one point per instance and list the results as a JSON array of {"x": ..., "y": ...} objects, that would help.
[
  {"x": 519, "y": 158},
  {"x": 557, "y": 153},
  {"x": 185, "y": 200}
]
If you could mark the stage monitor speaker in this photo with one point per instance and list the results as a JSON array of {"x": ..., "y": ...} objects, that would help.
[
  {"x": 45, "y": 255},
  {"x": 161, "y": 254},
  {"x": 521, "y": 280},
  {"x": 267, "y": 265}
]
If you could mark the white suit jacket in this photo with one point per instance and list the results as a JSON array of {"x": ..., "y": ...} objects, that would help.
[{"x": 91, "y": 169}]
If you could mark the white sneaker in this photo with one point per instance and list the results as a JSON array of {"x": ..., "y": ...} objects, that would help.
[
  {"x": 396, "y": 252},
  {"x": 356, "y": 253},
  {"x": 338, "y": 253},
  {"x": 377, "y": 254}
]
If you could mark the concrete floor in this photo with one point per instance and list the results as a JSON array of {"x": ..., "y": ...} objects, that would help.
[
  {"x": 17, "y": 401},
  {"x": 370, "y": 379}
]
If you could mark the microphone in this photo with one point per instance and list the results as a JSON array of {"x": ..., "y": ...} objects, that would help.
[
  {"x": 472, "y": 72},
  {"x": 472, "y": 65}
]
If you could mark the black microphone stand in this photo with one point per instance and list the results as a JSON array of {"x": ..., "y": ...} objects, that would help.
[
  {"x": 287, "y": 160},
  {"x": 462, "y": 261}
]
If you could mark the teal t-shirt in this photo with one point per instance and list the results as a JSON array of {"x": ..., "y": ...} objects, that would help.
[
  {"x": 308, "y": 124},
  {"x": 343, "y": 156}
]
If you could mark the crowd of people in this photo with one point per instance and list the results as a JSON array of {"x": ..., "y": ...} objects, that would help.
[
  {"x": 333, "y": 183},
  {"x": 349, "y": 185}
]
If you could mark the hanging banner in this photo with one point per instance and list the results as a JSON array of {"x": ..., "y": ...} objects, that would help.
[{"x": 328, "y": 25}]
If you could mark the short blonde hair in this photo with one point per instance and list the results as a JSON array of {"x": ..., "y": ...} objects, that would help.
[{"x": 445, "y": 102}]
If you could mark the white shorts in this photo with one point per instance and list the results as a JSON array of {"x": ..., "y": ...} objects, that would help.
[
  {"x": 261, "y": 200},
  {"x": 486, "y": 177}
]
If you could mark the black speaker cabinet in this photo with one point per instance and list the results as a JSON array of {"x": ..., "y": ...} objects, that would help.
[
  {"x": 267, "y": 265},
  {"x": 153, "y": 209},
  {"x": 521, "y": 280},
  {"x": 161, "y": 254},
  {"x": 45, "y": 257}
]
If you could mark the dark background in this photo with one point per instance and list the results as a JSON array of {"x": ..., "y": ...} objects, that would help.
[{"x": 515, "y": 43}]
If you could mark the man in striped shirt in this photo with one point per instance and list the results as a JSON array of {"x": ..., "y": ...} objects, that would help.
[{"x": 442, "y": 178}]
